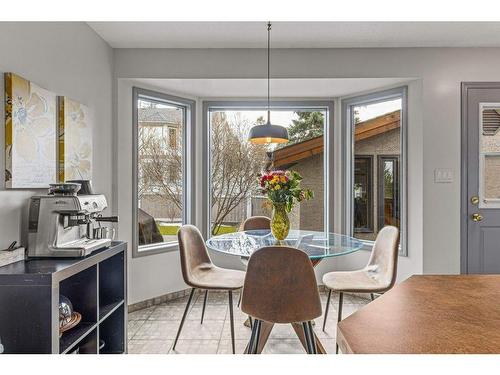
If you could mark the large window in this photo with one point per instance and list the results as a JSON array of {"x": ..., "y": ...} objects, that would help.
[
  {"x": 234, "y": 163},
  {"x": 160, "y": 123},
  {"x": 375, "y": 124}
]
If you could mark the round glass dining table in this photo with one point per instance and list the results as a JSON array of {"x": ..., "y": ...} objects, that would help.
[{"x": 318, "y": 245}]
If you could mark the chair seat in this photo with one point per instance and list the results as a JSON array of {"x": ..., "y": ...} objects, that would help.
[
  {"x": 213, "y": 277},
  {"x": 360, "y": 281}
]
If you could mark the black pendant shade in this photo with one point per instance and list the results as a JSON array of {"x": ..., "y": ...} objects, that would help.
[{"x": 268, "y": 133}]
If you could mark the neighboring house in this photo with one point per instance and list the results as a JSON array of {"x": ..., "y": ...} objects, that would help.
[
  {"x": 377, "y": 151},
  {"x": 162, "y": 123}
]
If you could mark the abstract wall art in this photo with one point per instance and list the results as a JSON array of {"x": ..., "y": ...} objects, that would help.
[
  {"x": 30, "y": 134},
  {"x": 75, "y": 140}
]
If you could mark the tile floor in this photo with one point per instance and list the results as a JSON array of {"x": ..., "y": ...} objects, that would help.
[{"x": 152, "y": 330}]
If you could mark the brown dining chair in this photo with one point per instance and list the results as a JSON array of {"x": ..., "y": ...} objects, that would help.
[
  {"x": 378, "y": 276},
  {"x": 255, "y": 223},
  {"x": 199, "y": 272},
  {"x": 280, "y": 287}
]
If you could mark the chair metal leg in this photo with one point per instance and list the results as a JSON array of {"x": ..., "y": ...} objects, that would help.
[
  {"x": 239, "y": 299},
  {"x": 339, "y": 318},
  {"x": 250, "y": 320},
  {"x": 341, "y": 300},
  {"x": 326, "y": 308},
  {"x": 204, "y": 305},
  {"x": 257, "y": 325},
  {"x": 183, "y": 317},
  {"x": 252, "y": 339},
  {"x": 372, "y": 296},
  {"x": 313, "y": 338},
  {"x": 307, "y": 337},
  {"x": 231, "y": 317}
]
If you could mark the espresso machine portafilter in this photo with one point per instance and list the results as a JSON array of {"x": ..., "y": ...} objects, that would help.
[{"x": 99, "y": 231}]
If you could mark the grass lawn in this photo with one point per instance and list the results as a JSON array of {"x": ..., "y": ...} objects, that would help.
[{"x": 171, "y": 230}]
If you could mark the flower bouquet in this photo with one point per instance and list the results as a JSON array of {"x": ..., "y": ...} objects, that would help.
[{"x": 282, "y": 189}]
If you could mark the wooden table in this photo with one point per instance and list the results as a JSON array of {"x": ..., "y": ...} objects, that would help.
[{"x": 428, "y": 314}]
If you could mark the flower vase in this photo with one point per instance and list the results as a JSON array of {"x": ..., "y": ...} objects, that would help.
[{"x": 280, "y": 223}]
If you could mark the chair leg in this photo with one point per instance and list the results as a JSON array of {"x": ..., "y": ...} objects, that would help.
[
  {"x": 231, "y": 317},
  {"x": 239, "y": 299},
  {"x": 183, "y": 317},
  {"x": 255, "y": 345},
  {"x": 339, "y": 318},
  {"x": 204, "y": 305},
  {"x": 313, "y": 338},
  {"x": 307, "y": 337},
  {"x": 372, "y": 296},
  {"x": 341, "y": 300},
  {"x": 250, "y": 320},
  {"x": 252, "y": 339},
  {"x": 326, "y": 308}
]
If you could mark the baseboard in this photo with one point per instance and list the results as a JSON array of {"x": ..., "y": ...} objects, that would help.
[
  {"x": 158, "y": 300},
  {"x": 175, "y": 295}
]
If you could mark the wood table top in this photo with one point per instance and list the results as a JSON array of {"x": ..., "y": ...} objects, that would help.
[{"x": 428, "y": 314}]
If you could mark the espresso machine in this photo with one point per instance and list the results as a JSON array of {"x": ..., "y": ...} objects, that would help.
[{"x": 64, "y": 224}]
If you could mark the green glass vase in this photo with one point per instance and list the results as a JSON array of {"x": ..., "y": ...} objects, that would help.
[{"x": 280, "y": 223}]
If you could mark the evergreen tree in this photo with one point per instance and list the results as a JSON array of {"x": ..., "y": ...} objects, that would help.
[{"x": 307, "y": 126}]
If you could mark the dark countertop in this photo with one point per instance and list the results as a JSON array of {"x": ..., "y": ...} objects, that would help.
[{"x": 48, "y": 268}]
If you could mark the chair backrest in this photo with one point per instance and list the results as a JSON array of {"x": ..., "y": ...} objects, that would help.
[
  {"x": 194, "y": 254},
  {"x": 383, "y": 261},
  {"x": 256, "y": 222},
  {"x": 280, "y": 286}
]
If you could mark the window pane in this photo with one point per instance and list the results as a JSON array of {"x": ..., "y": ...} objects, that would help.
[
  {"x": 235, "y": 163},
  {"x": 492, "y": 177},
  {"x": 489, "y": 174},
  {"x": 363, "y": 195},
  {"x": 376, "y": 193},
  {"x": 159, "y": 171}
]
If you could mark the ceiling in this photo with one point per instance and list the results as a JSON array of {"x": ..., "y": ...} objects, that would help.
[
  {"x": 280, "y": 88},
  {"x": 298, "y": 34}
]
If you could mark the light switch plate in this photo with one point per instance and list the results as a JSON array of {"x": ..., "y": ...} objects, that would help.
[{"x": 443, "y": 175}]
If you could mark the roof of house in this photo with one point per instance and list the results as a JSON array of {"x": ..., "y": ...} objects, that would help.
[
  {"x": 363, "y": 130},
  {"x": 160, "y": 115}
]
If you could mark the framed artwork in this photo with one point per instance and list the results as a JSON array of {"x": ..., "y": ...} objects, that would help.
[
  {"x": 75, "y": 140},
  {"x": 30, "y": 134}
]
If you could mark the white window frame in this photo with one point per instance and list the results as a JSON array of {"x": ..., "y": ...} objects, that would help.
[
  {"x": 189, "y": 107},
  {"x": 276, "y": 105},
  {"x": 483, "y": 202},
  {"x": 348, "y": 105}
]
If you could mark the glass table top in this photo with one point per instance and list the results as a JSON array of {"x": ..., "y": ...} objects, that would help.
[{"x": 317, "y": 245}]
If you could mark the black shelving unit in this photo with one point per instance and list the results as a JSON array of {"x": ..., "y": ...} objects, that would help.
[{"x": 95, "y": 285}]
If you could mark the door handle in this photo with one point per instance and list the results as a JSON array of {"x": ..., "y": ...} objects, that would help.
[{"x": 476, "y": 217}]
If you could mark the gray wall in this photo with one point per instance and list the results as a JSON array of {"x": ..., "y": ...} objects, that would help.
[
  {"x": 68, "y": 59},
  {"x": 441, "y": 71}
]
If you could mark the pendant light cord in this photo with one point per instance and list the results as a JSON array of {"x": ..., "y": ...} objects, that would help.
[{"x": 269, "y": 72}]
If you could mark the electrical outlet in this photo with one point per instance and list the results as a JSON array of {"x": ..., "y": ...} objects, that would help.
[{"x": 443, "y": 175}]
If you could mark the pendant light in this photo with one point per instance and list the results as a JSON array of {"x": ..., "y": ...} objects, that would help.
[{"x": 268, "y": 133}]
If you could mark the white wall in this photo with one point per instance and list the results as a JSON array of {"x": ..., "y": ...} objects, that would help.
[
  {"x": 68, "y": 59},
  {"x": 148, "y": 276},
  {"x": 441, "y": 71}
]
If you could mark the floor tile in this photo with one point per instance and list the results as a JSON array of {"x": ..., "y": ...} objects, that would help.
[
  {"x": 133, "y": 327},
  {"x": 149, "y": 346},
  {"x": 226, "y": 348},
  {"x": 141, "y": 314},
  {"x": 212, "y": 312},
  {"x": 283, "y": 346},
  {"x": 153, "y": 329},
  {"x": 168, "y": 312},
  {"x": 196, "y": 347}
]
